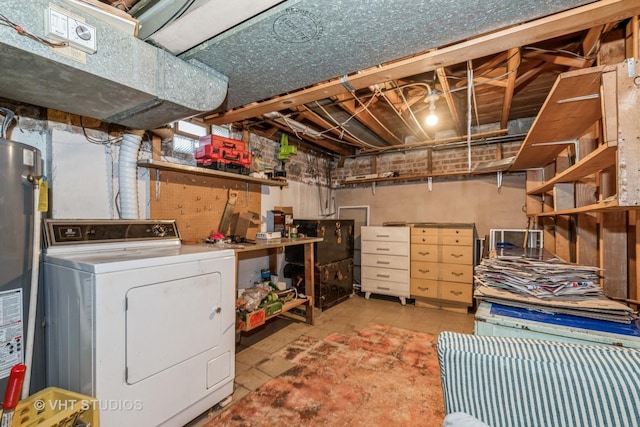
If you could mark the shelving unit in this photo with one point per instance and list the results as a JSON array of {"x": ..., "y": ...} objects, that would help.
[
  {"x": 286, "y": 311},
  {"x": 176, "y": 167},
  {"x": 587, "y": 207},
  {"x": 275, "y": 246}
]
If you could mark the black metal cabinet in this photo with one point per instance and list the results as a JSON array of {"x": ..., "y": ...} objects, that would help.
[
  {"x": 337, "y": 240},
  {"x": 333, "y": 259},
  {"x": 333, "y": 281}
]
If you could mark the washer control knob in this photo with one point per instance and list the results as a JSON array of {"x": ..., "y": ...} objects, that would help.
[{"x": 159, "y": 230}]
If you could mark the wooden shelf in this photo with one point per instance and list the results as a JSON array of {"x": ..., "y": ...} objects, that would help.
[
  {"x": 610, "y": 205},
  {"x": 286, "y": 307},
  {"x": 291, "y": 305},
  {"x": 176, "y": 167},
  {"x": 573, "y": 105},
  {"x": 596, "y": 161},
  {"x": 416, "y": 177}
]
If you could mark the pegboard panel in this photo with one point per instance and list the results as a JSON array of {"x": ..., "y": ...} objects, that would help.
[{"x": 197, "y": 202}]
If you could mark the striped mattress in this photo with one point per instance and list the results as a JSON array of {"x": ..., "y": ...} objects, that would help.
[{"x": 511, "y": 382}]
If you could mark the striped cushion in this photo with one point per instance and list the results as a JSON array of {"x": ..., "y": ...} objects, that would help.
[{"x": 523, "y": 382}]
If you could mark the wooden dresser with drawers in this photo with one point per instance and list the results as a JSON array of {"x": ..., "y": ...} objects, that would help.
[{"x": 442, "y": 261}]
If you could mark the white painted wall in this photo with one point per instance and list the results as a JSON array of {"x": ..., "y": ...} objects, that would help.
[
  {"x": 474, "y": 199},
  {"x": 82, "y": 176}
]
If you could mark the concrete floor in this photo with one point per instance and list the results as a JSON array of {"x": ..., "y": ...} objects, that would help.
[{"x": 348, "y": 317}]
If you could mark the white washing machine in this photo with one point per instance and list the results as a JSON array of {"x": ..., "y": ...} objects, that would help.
[{"x": 139, "y": 321}]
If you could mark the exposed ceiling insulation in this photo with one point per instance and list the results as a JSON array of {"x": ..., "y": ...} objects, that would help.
[{"x": 302, "y": 42}]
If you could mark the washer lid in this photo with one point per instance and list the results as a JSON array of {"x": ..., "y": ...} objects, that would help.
[{"x": 129, "y": 258}]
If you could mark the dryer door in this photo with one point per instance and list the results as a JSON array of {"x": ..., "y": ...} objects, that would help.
[{"x": 170, "y": 322}]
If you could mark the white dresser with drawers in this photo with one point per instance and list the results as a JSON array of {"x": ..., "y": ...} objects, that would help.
[{"x": 385, "y": 261}]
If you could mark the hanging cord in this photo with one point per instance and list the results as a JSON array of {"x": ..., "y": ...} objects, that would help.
[
  {"x": 329, "y": 188},
  {"x": 107, "y": 141},
  {"x": 8, "y": 118},
  {"x": 341, "y": 125},
  {"x": 398, "y": 114},
  {"x": 469, "y": 92},
  {"x": 366, "y": 108},
  {"x": 7, "y": 23}
]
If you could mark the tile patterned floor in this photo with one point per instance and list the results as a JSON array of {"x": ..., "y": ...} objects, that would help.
[{"x": 348, "y": 317}]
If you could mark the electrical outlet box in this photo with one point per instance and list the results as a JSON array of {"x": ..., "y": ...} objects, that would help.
[{"x": 62, "y": 26}]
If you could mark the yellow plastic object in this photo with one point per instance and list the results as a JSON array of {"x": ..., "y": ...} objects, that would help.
[
  {"x": 286, "y": 150},
  {"x": 55, "y": 407},
  {"x": 43, "y": 200}
]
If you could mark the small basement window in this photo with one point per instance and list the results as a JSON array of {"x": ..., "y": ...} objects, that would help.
[
  {"x": 187, "y": 135},
  {"x": 184, "y": 145}
]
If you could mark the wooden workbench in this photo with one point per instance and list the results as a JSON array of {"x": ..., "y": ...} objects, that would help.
[{"x": 275, "y": 246}]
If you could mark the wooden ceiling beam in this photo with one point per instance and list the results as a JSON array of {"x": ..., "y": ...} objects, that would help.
[
  {"x": 567, "y": 22},
  {"x": 512, "y": 68},
  {"x": 392, "y": 95},
  {"x": 498, "y": 61},
  {"x": 448, "y": 96},
  {"x": 558, "y": 59},
  {"x": 591, "y": 41},
  {"x": 334, "y": 147},
  {"x": 530, "y": 73},
  {"x": 322, "y": 123},
  {"x": 364, "y": 116}
]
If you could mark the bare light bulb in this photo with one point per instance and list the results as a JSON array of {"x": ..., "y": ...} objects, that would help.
[{"x": 432, "y": 119}]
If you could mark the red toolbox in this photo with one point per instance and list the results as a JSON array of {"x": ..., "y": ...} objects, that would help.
[
  {"x": 222, "y": 142},
  {"x": 224, "y": 159},
  {"x": 209, "y": 152}
]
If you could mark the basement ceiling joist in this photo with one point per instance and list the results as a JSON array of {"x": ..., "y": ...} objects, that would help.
[
  {"x": 575, "y": 20},
  {"x": 349, "y": 78}
]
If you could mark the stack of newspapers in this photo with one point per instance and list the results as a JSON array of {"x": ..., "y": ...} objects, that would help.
[{"x": 552, "y": 286}]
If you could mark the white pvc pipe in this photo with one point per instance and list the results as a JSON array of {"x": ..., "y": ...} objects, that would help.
[
  {"x": 33, "y": 297},
  {"x": 128, "y": 174}
]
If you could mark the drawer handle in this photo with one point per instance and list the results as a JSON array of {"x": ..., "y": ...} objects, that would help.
[
  {"x": 384, "y": 289},
  {"x": 383, "y": 262},
  {"x": 382, "y": 275},
  {"x": 457, "y": 241},
  {"x": 423, "y": 271},
  {"x": 423, "y": 289},
  {"x": 456, "y": 293},
  {"x": 457, "y": 255},
  {"x": 382, "y": 235},
  {"x": 382, "y": 249},
  {"x": 457, "y": 231},
  {"x": 424, "y": 253},
  {"x": 457, "y": 274}
]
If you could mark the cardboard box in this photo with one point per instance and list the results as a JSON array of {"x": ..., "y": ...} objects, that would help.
[
  {"x": 288, "y": 211},
  {"x": 275, "y": 221},
  {"x": 247, "y": 225},
  {"x": 254, "y": 319}
]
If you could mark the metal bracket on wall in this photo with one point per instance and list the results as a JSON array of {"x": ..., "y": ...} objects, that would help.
[
  {"x": 499, "y": 177},
  {"x": 373, "y": 188},
  {"x": 430, "y": 183},
  {"x": 158, "y": 184}
]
